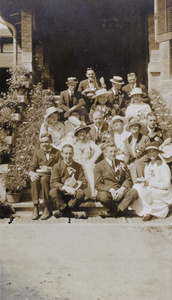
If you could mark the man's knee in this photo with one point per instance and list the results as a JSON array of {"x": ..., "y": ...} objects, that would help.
[
  {"x": 104, "y": 196},
  {"x": 53, "y": 193},
  {"x": 45, "y": 180},
  {"x": 80, "y": 194},
  {"x": 132, "y": 193}
]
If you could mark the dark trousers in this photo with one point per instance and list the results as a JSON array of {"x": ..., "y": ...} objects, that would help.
[
  {"x": 36, "y": 186},
  {"x": 129, "y": 196},
  {"x": 62, "y": 201}
]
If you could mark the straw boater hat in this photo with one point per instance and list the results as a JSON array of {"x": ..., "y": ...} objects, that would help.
[
  {"x": 167, "y": 153},
  {"x": 82, "y": 126},
  {"x": 71, "y": 110},
  {"x": 71, "y": 80},
  {"x": 51, "y": 110},
  {"x": 133, "y": 122},
  {"x": 73, "y": 183},
  {"x": 117, "y": 79},
  {"x": 100, "y": 93},
  {"x": 153, "y": 146},
  {"x": 115, "y": 118},
  {"x": 136, "y": 91}
]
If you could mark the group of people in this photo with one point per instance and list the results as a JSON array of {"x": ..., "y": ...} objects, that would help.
[{"x": 102, "y": 145}]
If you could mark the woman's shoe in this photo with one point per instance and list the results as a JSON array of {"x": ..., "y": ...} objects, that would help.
[{"x": 146, "y": 217}]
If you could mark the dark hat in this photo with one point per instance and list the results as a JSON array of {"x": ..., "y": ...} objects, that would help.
[{"x": 83, "y": 126}]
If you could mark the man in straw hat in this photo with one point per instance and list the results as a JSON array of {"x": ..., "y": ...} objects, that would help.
[
  {"x": 113, "y": 183},
  {"x": 132, "y": 84},
  {"x": 117, "y": 96},
  {"x": 71, "y": 99},
  {"x": 67, "y": 183},
  {"x": 43, "y": 161}
]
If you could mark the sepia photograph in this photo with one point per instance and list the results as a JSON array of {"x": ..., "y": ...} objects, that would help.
[{"x": 85, "y": 149}]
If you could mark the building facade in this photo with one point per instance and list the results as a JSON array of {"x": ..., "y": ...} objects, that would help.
[{"x": 59, "y": 39}]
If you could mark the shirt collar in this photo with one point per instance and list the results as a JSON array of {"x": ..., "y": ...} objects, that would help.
[{"x": 109, "y": 161}]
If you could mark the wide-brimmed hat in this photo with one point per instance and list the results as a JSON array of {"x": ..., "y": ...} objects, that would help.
[
  {"x": 90, "y": 92},
  {"x": 167, "y": 153},
  {"x": 115, "y": 118},
  {"x": 82, "y": 126},
  {"x": 133, "y": 122},
  {"x": 117, "y": 79},
  {"x": 51, "y": 110},
  {"x": 71, "y": 80},
  {"x": 101, "y": 92},
  {"x": 153, "y": 146},
  {"x": 137, "y": 91},
  {"x": 73, "y": 183},
  {"x": 71, "y": 110}
]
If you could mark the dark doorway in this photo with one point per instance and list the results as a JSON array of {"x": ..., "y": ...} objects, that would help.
[
  {"x": 108, "y": 35},
  {"x": 4, "y": 75}
]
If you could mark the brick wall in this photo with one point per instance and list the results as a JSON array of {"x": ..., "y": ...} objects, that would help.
[{"x": 26, "y": 39}]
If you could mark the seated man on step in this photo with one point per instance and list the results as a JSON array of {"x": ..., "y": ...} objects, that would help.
[
  {"x": 43, "y": 160},
  {"x": 67, "y": 184},
  {"x": 113, "y": 183}
]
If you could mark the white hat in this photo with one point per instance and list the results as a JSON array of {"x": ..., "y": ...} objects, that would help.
[
  {"x": 72, "y": 182},
  {"x": 136, "y": 91},
  {"x": 52, "y": 110},
  {"x": 167, "y": 153},
  {"x": 135, "y": 121},
  {"x": 101, "y": 92},
  {"x": 71, "y": 79},
  {"x": 117, "y": 79},
  {"x": 115, "y": 118}
]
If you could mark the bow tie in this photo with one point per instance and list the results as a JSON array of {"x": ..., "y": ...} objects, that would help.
[{"x": 47, "y": 151}]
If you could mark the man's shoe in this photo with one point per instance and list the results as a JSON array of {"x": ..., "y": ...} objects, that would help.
[
  {"x": 107, "y": 214},
  {"x": 57, "y": 213},
  {"x": 46, "y": 214},
  {"x": 35, "y": 214},
  {"x": 146, "y": 217},
  {"x": 80, "y": 214}
]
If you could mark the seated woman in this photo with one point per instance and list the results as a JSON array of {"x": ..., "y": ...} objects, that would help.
[
  {"x": 102, "y": 103},
  {"x": 155, "y": 190},
  {"x": 73, "y": 116},
  {"x": 134, "y": 147},
  {"x": 53, "y": 126},
  {"x": 119, "y": 135},
  {"x": 137, "y": 109},
  {"x": 86, "y": 153}
]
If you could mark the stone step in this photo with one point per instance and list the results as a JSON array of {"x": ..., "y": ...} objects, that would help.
[{"x": 26, "y": 207}]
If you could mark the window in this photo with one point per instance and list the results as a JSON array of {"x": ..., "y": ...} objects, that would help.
[{"x": 163, "y": 20}]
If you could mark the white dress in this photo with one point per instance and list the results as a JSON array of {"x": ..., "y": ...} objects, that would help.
[
  {"x": 137, "y": 111},
  {"x": 86, "y": 154},
  {"x": 119, "y": 142},
  {"x": 155, "y": 198},
  {"x": 57, "y": 132}
]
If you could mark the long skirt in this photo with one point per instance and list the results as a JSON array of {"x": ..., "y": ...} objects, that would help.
[{"x": 152, "y": 201}]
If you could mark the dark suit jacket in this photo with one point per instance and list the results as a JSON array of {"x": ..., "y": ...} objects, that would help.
[
  {"x": 39, "y": 159},
  {"x": 84, "y": 84},
  {"x": 60, "y": 174},
  {"x": 159, "y": 136},
  {"x": 106, "y": 177},
  {"x": 141, "y": 144},
  {"x": 120, "y": 99},
  {"x": 65, "y": 103},
  {"x": 92, "y": 132}
]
